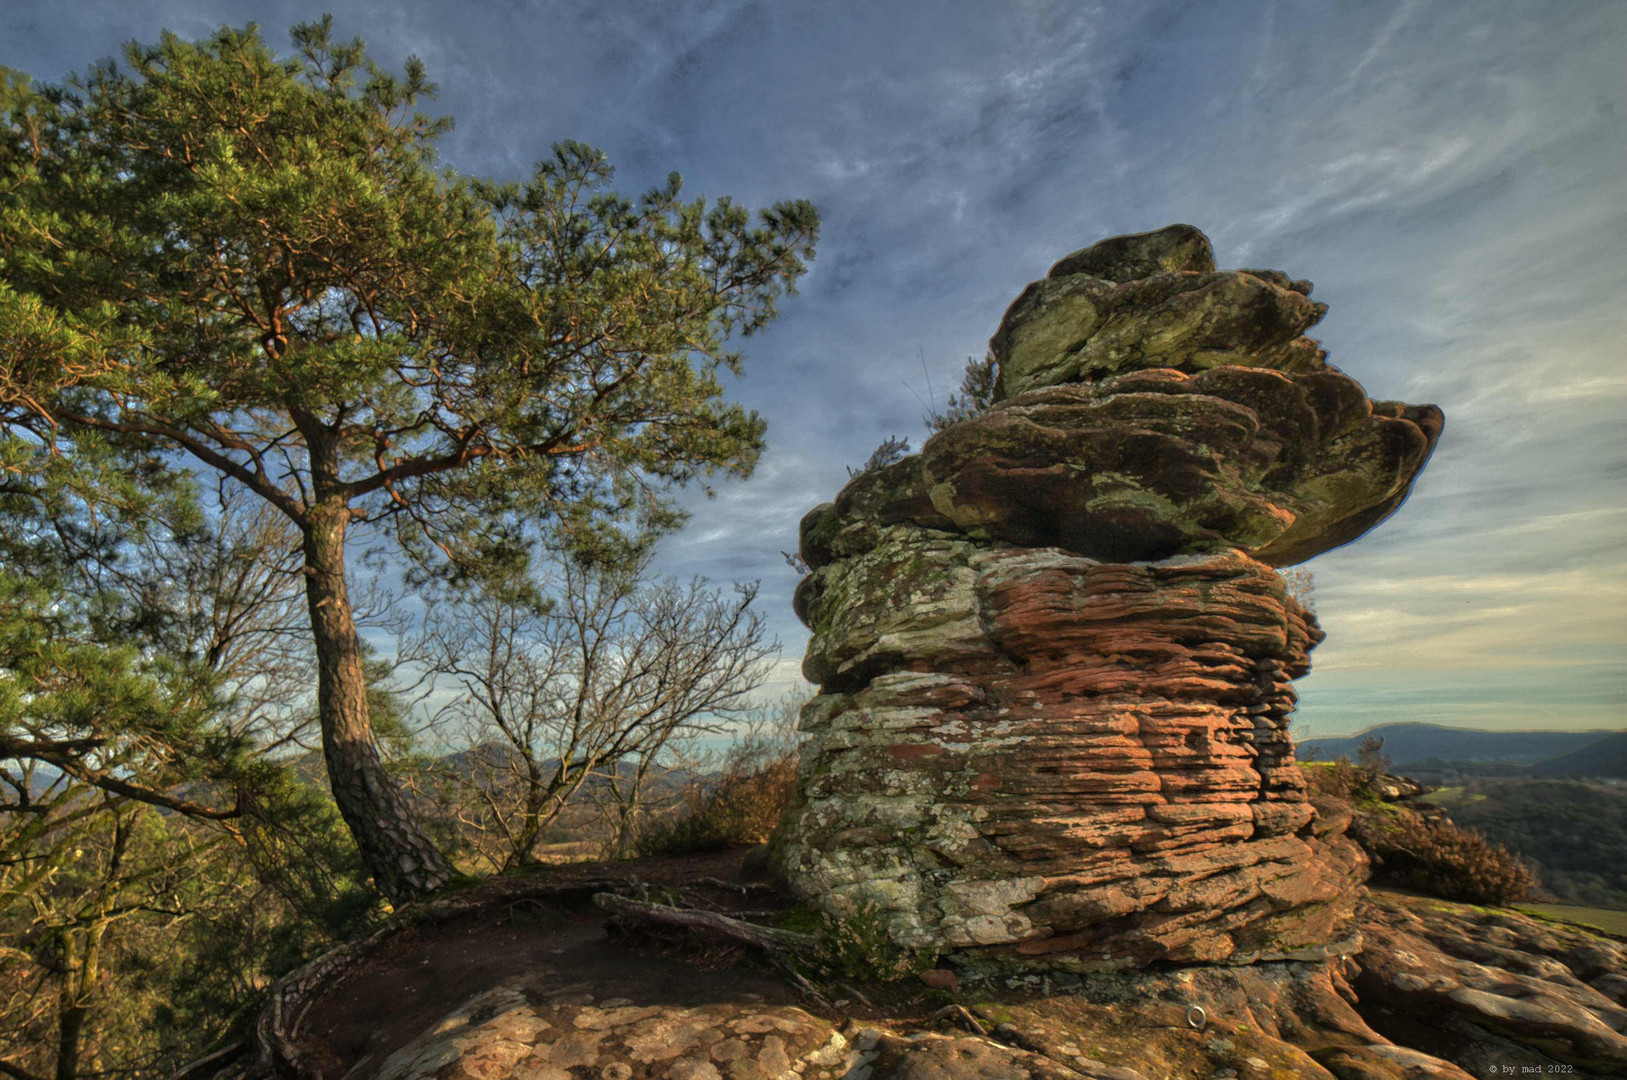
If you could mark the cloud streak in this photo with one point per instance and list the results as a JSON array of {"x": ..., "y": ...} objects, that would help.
[{"x": 1451, "y": 176}]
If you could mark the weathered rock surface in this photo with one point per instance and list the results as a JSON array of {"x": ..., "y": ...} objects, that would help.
[
  {"x": 1143, "y": 417},
  {"x": 1440, "y": 990},
  {"x": 1055, "y": 660},
  {"x": 563, "y": 1034},
  {"x": 1273, "y": 1020},
  {"x": 1093, "y": 766},
  {"x": 1154, "y": 463},
  {"x": 1491, "y": 988},
  {"x": 1146, "y": 1026},
  {"x": 1267, "y": 1022}
]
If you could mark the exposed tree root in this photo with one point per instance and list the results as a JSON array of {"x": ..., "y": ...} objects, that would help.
[{"x": 766, "y": 938}]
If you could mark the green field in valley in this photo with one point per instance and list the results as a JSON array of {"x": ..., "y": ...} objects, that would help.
[{"x": 1611, "y": 922}]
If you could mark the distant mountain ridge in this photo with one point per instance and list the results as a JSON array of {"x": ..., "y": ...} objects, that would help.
[
  {"x": 1601, "y": 752},
  {"x": 1607, "y": 757}
]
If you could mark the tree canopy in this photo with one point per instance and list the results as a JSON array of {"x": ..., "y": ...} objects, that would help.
[{"x": 222, "y": 262}]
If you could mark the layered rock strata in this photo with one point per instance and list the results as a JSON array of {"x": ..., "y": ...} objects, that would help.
[{"x": 1055, "y": 660}]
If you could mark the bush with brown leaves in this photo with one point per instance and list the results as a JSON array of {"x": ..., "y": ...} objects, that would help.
[
  {"x": 1434, "y": 856},
  {"x": 1341, "y": 779},
  {"x": 741, "y": 803}
]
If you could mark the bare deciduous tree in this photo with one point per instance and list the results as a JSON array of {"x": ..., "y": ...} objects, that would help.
[
  {"x": 237, "y": 603},
  {"x": 585, "y": 690}
]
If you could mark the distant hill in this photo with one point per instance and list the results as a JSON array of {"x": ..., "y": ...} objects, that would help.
[
  {"x": 1605, "y": 757},
  {"x": 1417, "y": 743}
]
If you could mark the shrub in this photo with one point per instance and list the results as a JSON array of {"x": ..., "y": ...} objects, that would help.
[
  {"x": 859, "y": 945},
  {"x": 1434, "y": 856},
  {"x": 740, "y": 805},
  {"x": 977, "y": 391},
  {"x": 1340, "y": 779}
]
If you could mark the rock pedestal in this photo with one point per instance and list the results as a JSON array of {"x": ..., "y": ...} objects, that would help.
[{"x": 1055, "y": 659}]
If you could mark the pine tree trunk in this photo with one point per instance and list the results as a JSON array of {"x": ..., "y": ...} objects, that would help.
[
  {"x": 71, "y": 1010},
  {"x": 404, "y": 862}
]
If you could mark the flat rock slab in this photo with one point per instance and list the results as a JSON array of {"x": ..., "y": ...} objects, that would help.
[
  {"x": 503, "y": 1034},
  {"x": 524, "y": 1032},
  {"x": 1491, "y": 987},
  {"x": 1441, "y": 991},
  {"x": 406, "y": 990},
  {"x": 1272, "y": 1022}
]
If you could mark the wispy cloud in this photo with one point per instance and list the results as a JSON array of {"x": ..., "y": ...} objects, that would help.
[{"x": 1453, "y": 177}]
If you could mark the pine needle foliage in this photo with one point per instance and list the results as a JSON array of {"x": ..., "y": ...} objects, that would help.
[{"x": 222, "y": 262}]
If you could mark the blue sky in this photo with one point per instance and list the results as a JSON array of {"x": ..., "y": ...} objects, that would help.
[{"x": 1452, "y": 176}]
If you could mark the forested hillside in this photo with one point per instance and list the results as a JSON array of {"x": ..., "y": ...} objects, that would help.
[{"x": 1574, "y": 831}]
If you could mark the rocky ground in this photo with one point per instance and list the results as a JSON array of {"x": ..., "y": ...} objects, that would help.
[{"x": 531, "y": 982}]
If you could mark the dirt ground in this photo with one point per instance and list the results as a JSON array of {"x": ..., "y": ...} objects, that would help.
[{"x": 423, "y": 972}]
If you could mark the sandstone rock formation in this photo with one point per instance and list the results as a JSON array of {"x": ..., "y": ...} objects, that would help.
[{"x": 1055, "y": 661}]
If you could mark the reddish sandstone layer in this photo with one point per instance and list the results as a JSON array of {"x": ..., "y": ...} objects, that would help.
[{"x": 1067, "y": 759}]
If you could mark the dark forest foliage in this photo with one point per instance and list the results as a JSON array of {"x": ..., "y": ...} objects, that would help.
[{"x": 1573, "y": 831}]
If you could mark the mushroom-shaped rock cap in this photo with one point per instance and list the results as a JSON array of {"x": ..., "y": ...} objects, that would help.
[
  {"x": 1152, "y": 406},
  {"x": 1152, "y": 300},
  {"x": 1173, "y": 249},
  {"x": 1160, "y": 463}
]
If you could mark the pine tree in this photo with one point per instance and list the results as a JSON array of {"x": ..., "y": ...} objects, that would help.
[{"x": 216, "y": 260}]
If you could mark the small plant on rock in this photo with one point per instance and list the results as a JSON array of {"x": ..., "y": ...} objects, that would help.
[
  {"x": 976, "y": 397},
  {"x": 892, "y": 450},
  {"x": 859, "y": 945}
]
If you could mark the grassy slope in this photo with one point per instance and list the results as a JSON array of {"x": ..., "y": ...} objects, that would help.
[{"x": 1611, "y": 922}]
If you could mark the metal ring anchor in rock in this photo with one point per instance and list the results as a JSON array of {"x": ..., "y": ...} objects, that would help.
[{"x": 1196, "y": 1017}]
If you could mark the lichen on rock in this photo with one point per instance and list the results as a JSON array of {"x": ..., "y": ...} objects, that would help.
[
  {"x": 517, "y": 1032},
  {"x": 1055, "y": 658}
]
